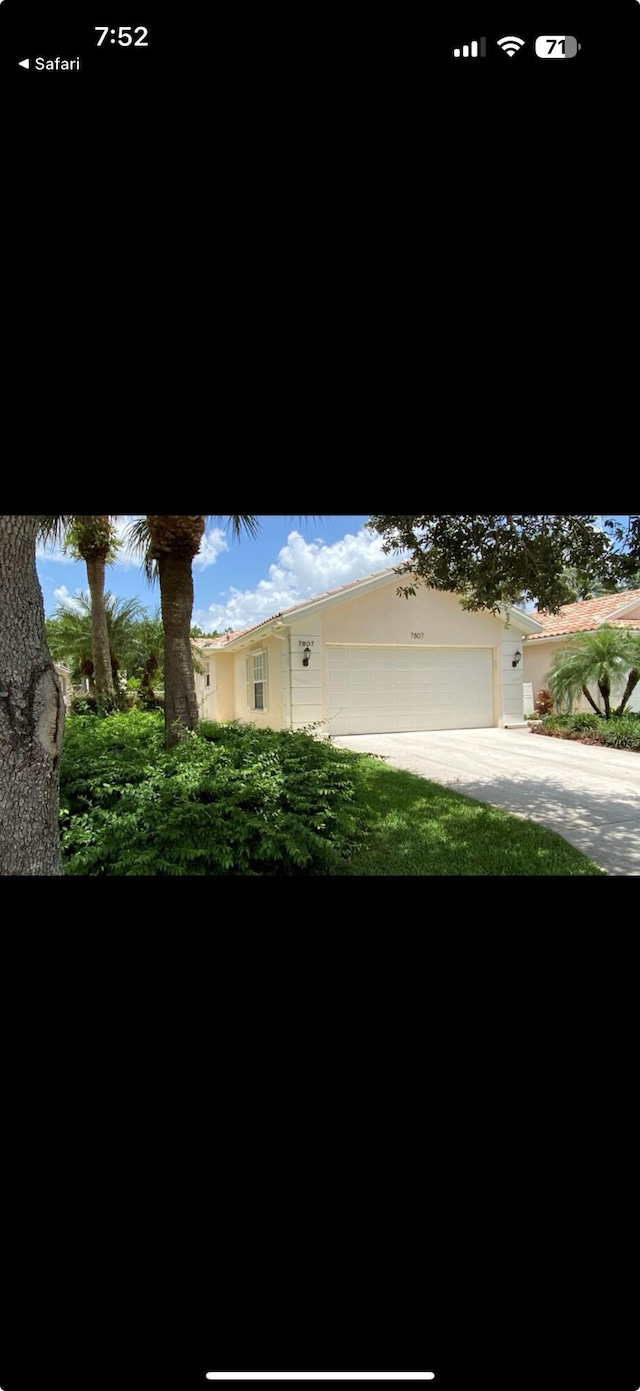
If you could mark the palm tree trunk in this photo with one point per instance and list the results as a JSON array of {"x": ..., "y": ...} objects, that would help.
[
  {"x": 100, "y": 633},
  {"x": 176, "y": 598},
  {"x": 634, "y": 678},
  {"x": 31, "y": 712},
  {"x": 588, "y": 696},
  {"x": 605, "y": 691}
]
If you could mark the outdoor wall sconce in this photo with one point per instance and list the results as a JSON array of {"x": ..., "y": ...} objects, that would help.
[
  {"x": 516, "y": 658},
  {"x": 306, "y": 653}
]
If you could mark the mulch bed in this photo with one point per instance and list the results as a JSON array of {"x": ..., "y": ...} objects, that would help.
[{"x": 579, "y": 738}]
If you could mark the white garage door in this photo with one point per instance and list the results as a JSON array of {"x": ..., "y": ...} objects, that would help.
[{"x": 394, "y": 689}]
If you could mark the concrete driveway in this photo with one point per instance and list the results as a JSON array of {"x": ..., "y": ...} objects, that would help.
[{"x": 591, "y": 796}]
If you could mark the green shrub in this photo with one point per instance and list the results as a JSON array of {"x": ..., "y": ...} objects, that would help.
[
  {"x": 233, "y": 800},
  {"x": 577, "y": 721},
  {"x": 620, "y": 732},
  {"x": 148, "y": 700},
  {"x": 83, "y": 705},
  {"x": 100, "y": 758}
]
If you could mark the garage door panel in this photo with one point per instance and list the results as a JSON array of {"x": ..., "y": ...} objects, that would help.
[{"x": 399, "y": 689}]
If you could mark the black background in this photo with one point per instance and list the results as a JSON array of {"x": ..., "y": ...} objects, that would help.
[{"x": 317, "y": 1147}]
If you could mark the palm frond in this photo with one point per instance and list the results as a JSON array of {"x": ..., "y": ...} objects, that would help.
[
  {"x": 603, "y": 657},
  {"x": 239, "y": 525},
  {"x": 52, "y": 530},
  {"x": 249, "y": 525},
  {"x": 137, "y": 538}
]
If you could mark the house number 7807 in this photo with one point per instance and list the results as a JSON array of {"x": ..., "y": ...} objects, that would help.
[{"x": 417, "y": 635}]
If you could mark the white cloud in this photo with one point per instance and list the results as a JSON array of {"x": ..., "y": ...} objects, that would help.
[
  {"x": 53, "y": 552},
  {"x": 212, "y": 544},
  {"x": 302, "y": 570},
  {"x": 62, "y": 596}
]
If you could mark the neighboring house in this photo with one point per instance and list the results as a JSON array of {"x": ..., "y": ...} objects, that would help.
[
  {"x": 618, "y": 610},
  {"x": 64, "y": 677},
  {"x": 363, "y": 660}
]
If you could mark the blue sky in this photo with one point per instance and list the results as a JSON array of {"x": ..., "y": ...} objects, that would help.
[{"x": 237, "y": 583}]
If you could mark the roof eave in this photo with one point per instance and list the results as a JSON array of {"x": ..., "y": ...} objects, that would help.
[
  {"x": 557, "y": 637},
  {"x": 308, "y": 609},
  {"x": 624, "y": 608},
  {"x": 528, "y": 623}
]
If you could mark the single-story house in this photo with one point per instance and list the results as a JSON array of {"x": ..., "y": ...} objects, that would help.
[
  {"x": 557, "y": 630},
  {"x": 361, "y": 659}
]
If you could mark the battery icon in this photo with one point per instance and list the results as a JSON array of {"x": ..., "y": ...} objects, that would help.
[{"x": 557, "y": 46}]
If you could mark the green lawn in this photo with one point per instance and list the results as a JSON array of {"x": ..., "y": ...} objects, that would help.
[{"x": 422, "y": 828}]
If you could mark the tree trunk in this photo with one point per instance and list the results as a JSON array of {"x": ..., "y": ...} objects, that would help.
[
  {"x": 31, "y": 712},
  {"x": 633, "y": 679},
  {"x": 176, "y": 597},
  {"x": 588, "y": 696},
  {"x": 605, "y": 691},
  {"x": 99, "y": 633}
]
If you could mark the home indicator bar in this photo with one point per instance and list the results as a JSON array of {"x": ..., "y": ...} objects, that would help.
[{"x": 320, "y": 1376}]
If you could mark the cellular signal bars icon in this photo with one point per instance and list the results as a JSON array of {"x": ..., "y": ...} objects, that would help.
[{"x": 464, "y": 51}]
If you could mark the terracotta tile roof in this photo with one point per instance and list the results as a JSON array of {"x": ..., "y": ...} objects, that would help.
[
  {"x": 219, "y": 641},
  {"x": 587, "y": 615}
]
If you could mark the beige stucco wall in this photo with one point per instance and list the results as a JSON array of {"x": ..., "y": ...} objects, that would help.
[
  {"x": 380, "y": 616},
  {"x": 215, "y": 701},
  {"x": 537, "y": 660},
  {"x": 307, "y": 684},
  {"x": 224, "y": 686},
  {"x": 272, "y": 717},
  {"x": 205, "y": 695},
  {"x": 64, "y": 678}
]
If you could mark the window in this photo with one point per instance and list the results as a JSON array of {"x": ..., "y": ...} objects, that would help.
[
  {"x": 207, "y": 679},
  {"x": 257, "y": 681}
]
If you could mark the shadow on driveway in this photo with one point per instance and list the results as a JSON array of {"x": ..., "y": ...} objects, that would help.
[
  {"x": 594, "y": 802},
  {"x": 605, "y": 828}
]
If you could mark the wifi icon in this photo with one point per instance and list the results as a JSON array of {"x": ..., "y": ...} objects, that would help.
[{"x": 511, "y": 44}]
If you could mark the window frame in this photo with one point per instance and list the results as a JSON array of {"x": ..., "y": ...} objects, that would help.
[{"x": 253, "y": 681}]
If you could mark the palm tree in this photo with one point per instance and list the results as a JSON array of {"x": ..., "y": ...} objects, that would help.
[
  {"x": 70, "y": 634},
  {"x": 169, "y": 546},
  {"x": 605, "y": 658},
  {"x": 92, "y": 539},
  {"x": 147, "y": 658}
]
